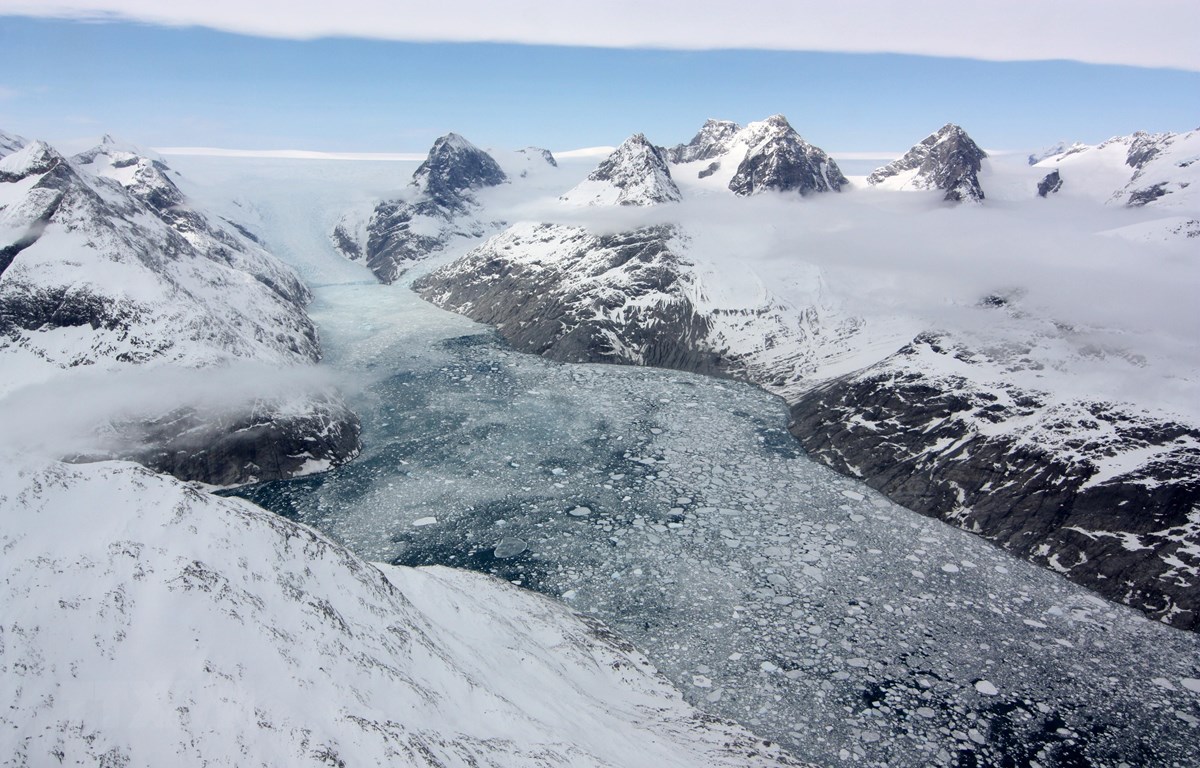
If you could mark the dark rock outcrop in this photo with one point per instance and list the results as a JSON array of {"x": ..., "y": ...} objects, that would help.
[
  {"x": 1050, "y": 184},
  {"x": 779, "y": 159},
  {"x": 1060, "y": 497},
  {"x": 269, "y": 443},
  {"x": 947, "y": 160},
  {"x": 453, "y": 167}
]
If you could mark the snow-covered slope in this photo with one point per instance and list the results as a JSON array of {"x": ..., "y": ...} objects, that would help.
[
  {"x": 148, "y": 623},
  {"x": 947, "y": 160},
  {"x": 106, "y": 265},
  {"x": 438, "y": 207},
  {"x": 1159, "y": 171}
]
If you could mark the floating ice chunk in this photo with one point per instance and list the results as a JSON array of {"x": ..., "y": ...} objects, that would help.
[
  {"x": 926, "y": 712},
  {"x": 1032, "y": 623},
  {"x": 859, "y": 663},
  {"x": 700, "y": 681},
  {"x": 986, "y": 688},
  {"x": 1163, "y": 682},
  {"x": 510, "y": 546},
  {"x": 422, "y": 521},
  {"x": 1191, "y": 683},
  {"x": 579, "y": 511},
  {"x": 950, "y": 568},
  {"x": 854, "y": 495},
  {"x": 570, "y": 594}
]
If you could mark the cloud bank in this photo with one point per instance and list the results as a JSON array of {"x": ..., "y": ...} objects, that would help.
[{"x": 1154, "y": 33}]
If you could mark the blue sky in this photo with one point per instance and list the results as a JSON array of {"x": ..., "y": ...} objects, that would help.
[{"x": 65, "y": 80}]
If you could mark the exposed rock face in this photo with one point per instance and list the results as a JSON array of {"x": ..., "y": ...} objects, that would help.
[
  {"x": 1105, "y": 496},
  {"x": 947, "y": 160},
  {"x": 257, "y": 641},
  {"x": 569, "y": 295},
  {"x": 778, "y": 159},
  {"x": 711, "y": 141},
  {"x": 440, "y": 207},
  {"x": 110, "y": 266},
  {"x": 453, "y": 168},
  {"x": 1050, "y": 184},
  {"x": 636, "y": 173}
]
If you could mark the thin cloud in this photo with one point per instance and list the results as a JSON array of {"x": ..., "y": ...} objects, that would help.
[{"x": 1155, "y": 33}]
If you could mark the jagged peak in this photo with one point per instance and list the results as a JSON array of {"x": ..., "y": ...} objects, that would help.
[
  {"x": 947, "y": 159},
  {"x": 453, "y": 167},
  {"x": 120, "y": 153},
  {"x": 636, "y": 173}
]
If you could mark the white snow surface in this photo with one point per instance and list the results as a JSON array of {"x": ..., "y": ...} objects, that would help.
[{"x": 150, "y": 623}]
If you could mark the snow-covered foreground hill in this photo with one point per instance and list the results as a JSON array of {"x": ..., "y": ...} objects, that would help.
[{"x": 148, "y": 623}]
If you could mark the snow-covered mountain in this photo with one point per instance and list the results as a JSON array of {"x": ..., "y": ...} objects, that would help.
[
  {"x": 947, "y": 160},
  {"x": 440, "y": 206},
  {"x": 148, "y": 623},
  {"x": 636, "y": 173},
  {"x": 765, "y": 155},
  {"x": 106, "y": 265}
]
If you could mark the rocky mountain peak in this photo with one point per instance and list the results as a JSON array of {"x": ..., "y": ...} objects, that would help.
[
  {"x": 712, "y": 140},
  {"x": 453, "y": 167},
  {"x": 947, "y": 159},
  {"x": 778, "y": 158},
  {"x": 636, "y": 173}
]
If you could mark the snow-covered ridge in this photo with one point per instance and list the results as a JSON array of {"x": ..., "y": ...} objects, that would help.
[
  {"x": 1140, "y": 169},
  {"x": 239, "y": 638}
]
